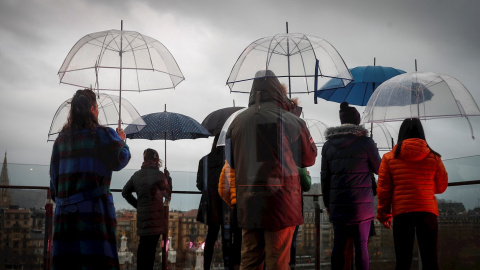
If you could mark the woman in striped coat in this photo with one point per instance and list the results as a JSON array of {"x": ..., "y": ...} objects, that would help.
[{"x": 83, "y": 158}]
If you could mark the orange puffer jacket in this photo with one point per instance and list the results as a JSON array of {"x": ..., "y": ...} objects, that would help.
[
  {"x": 409, "y": 182},
  {"x": 226, "y": 185}
]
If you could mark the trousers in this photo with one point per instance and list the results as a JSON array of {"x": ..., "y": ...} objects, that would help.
[
  {"x": 266, "y": 248},
  {"x": 359, "y": 233},
  {"x": 147, "y": 248},
  {"x": 425, "y": 226}
]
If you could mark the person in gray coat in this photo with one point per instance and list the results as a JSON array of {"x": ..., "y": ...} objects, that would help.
[
  {"x": 151, "y": 186},
  {"x": 265, "y": 145}
]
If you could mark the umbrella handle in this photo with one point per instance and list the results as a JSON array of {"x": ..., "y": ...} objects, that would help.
[{"x": 165, "y": 150}]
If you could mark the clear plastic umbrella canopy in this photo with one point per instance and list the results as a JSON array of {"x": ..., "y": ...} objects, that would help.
[
  {"x": 108, "y": 109},
  {"x": 317, "y": 130},
  {"x": 223, "y": 132},
  {"x": 292, "y": 57},
  {"x": 384, "y": 136},
  {"x": 423, "y": 95},
  {"x": 120, "y": 60}
]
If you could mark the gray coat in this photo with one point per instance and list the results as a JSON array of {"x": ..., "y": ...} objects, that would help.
[
  {"x": 265, "y": 145},
  {"x": 151, "y": 186}
]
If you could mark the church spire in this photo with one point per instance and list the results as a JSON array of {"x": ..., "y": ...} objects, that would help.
[{"x": 5, "y": 198}]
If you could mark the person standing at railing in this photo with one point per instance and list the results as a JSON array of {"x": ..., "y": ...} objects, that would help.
[
  {"x": 410, "y": 176},
  {"x": 265, "y": 145},
  {"x": 83, "y": 158},
  {"x": 349, "y": 157},
  {"x": 214, "y": 212},
  {"x": 152, "y": 187}
]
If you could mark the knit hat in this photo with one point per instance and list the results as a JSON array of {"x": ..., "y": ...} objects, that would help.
[{"x": 349, "y": 115}]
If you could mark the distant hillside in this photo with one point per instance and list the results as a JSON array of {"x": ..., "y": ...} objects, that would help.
[{"x": 28, "y": 198}]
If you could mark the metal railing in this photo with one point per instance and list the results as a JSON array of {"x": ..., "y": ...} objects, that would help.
[{"x": 47, "y": 254}]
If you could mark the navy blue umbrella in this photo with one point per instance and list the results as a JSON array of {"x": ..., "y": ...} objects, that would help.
[
  {"x": 365, "y": 80},
  {"x": 167, "y": 126}
]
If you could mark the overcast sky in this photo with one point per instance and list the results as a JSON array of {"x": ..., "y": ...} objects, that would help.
[{"x": 206, "y": 38}]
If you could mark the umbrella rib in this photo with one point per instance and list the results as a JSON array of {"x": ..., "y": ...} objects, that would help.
[
  {"x": 301, "y": 57},
  {"x": 349, "y": 91},
  {"x": 102, "y": 52},
  {"x": 365, "y": 92},
  {"x": 102, "y": 41},
  {"x": 135, "y": 61},
  {"x": 269, "y": 55},
  {"x": 109, "y": 67},
  {"x": 272, "y": 50}
]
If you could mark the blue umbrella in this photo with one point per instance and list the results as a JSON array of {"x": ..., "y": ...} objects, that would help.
[
  {"x": 167, "y": 126},
  {"x": 365, "y": 80}
]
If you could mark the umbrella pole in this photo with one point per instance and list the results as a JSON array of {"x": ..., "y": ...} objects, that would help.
[
  {"x": 288, "y": 59},
  {"x": 121, "y": 55},
  {"x": 315, "y": 84},
  {"x": 165, "y": 150},
  {"x": 165, "y": 142}
]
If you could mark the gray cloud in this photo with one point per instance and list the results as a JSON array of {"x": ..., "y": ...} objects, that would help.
[{"x": 206, "y": 38}]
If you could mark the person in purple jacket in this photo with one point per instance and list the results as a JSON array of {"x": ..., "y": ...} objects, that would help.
[{"x": 349, "y": 157}]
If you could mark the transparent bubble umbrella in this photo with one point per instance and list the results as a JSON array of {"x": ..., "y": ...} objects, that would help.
[
  {"x": 108, "y": 110},
  {"x": 423, "y": 95},
  {"x": 292, "y": 57},
  {"x": 223, "y": 132},
  {"x": 118, "y": 60},
  {"x": 384, "y": 136},
  {"x": 317, "y": 130}
]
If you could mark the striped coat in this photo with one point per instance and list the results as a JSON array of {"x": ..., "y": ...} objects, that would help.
[{"x": 85, "y": 221}]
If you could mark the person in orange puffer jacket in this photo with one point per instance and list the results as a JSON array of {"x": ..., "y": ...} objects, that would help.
[
  {"x": 409, "y": 177},
  {"x": 226, "y": 190}
]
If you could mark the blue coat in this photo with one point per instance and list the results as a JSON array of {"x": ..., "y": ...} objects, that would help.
[
  {"x": 349, "y": 158},
  {"x": 84, "y": 233}
]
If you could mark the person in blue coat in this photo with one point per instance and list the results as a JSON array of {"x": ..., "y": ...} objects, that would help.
[
  {"x": 349, "y": 157},
  {"x": 83, "y": 157}
]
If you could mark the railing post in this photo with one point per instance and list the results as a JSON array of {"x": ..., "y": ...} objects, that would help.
[
  {"x": 47, "y": 244},
  {"x": 318, "y": 232},
  {"x": 165, "y": 237}
]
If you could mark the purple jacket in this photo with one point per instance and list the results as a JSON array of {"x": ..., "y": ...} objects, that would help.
[{"x": 349, "y": 158}]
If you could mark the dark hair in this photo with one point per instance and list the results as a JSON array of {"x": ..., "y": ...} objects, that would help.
[
  {"x": 411, "y": 128},
  {"x": 80, "y": 115},
  {"x": 150, "y": 154}
]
